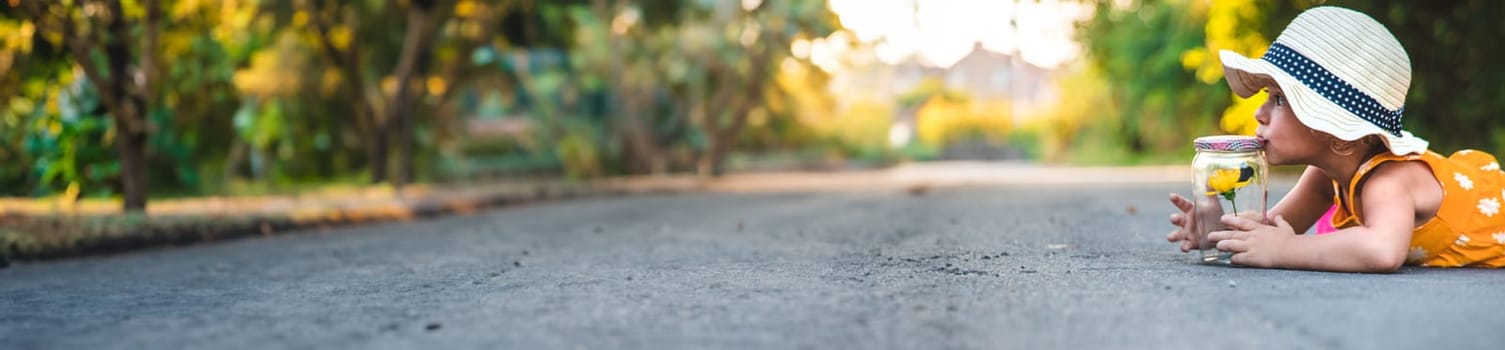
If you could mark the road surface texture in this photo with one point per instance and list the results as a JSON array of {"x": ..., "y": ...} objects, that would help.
[{"x": 1052, "y": 264}]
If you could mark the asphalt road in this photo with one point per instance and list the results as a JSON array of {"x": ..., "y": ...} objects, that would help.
[{"x": 1057, "y": 266}]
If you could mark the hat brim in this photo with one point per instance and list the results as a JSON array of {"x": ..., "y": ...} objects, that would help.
[{"x": 1248, "y": 76}]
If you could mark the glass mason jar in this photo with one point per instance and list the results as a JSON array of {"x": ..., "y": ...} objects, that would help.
[{"x": 1228, "y": 176}]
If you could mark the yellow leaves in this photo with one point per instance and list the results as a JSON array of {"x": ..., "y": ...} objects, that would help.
[
  {"x": 1231, "y": 25},
  {"x": 340, "y": 36},
  {"x": 70, "y": 195},
  {"x": 23, "y": 36},
  {"x": 51, "y": 106},
  {"x": 66, "y": 202},
  {"x": 808, "y": 102},
  {"x": 53, "y": 37},
  {"x": 176, "y": 43},
  {"x": 471, "y": 29},
  {"x": 466, "y": 9},
  {"x": 300, "y": 18},
  {"x": 274, "y": 71},
  {"x": 186, "y": 8},
  {"x": 864, "y": 125},
  {"x": 236, "y": 20},
  {"x": 1239, "y": 117},
  {"x": 1222, "y": 23},
  {"x": 1193, "y": 59},
  {"x": 329, "y": 83},
  {"x": 131, "y": 8},
  {"x": 16, "y": 36},
  {"x": 436, "y": 85},
  {"x": 757, "y": 118},
  {"x": 932, "y": 119},
  {"x": 388, "y": 86},
  {"x": 941, "y": 121},
  {"x": 262, "y": 78}
]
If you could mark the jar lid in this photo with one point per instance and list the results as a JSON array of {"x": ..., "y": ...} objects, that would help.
[{"x": 1228, "y": 143}]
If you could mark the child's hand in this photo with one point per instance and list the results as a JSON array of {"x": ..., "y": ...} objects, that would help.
[
  {"x": 1183, "y": 222},
  {"x": 1251, "y": 242}
]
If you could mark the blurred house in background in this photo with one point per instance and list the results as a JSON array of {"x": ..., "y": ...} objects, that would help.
[{"x": 983, "y": 79}]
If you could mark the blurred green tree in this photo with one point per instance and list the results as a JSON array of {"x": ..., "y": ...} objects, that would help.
[
  {"x": 185, "y": 103},
  {"x": 102, "y": 38},
  {"x": 720, "y": 65},
  {"x": 200, "y": 93},
  {"x": 1156, "y": 105},
  {"x": 382, "y": 110}
]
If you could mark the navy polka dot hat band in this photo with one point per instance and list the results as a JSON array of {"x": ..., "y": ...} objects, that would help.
[
  {"x": 1343, "y": 73},
  {"x": 1335, "y": 90}
]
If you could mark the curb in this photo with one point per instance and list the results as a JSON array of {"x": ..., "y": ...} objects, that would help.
[{"x": 52, "y": 237}]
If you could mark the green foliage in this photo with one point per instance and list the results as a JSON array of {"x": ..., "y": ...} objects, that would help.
[
  {"x": 1155, "y": 105},
  {"x": 70, "y": 145},
  {"x": 651, "y": 93},
  {"x": 579, "y": 153},
  {"x": 243, "y": 92}
]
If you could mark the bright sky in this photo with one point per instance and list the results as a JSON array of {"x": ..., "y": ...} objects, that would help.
[{"x": 943, "y": 31}]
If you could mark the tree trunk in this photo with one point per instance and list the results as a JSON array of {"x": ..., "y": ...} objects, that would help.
[
  {"x": 125, "y": 98},
  {"x": 373, "y": 129},
  {"x": 129, "y": 115},
  {"x": 411, "y": 62},
  {"x": 630, "y": 100},
  {"x": 402, "y": 130},
  {"x": 132, "y": 148},
  {"x": 713, "y": 162},
  {"x": 376, "y": 145},
  {"x": 149, "y": 56},
  {"x": 644, "y": 152}
]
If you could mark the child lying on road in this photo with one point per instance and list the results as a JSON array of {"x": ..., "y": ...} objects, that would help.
[{"x": 1337, "y": 83}]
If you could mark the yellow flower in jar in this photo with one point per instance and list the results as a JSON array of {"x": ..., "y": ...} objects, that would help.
[{"x": 1224, "y": 181}]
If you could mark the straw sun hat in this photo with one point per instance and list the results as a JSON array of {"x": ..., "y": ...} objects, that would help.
[{"x": 1343, "y": 73}]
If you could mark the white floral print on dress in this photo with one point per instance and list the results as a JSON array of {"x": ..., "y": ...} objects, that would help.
[
  {"x": 1490, "y": 166},
  {"x": 1500, "y": 237},
  {"x": 1489, "y": 206},
  {"x": 1462, "y": 240},
  {"x": 1464, "y": 181}
]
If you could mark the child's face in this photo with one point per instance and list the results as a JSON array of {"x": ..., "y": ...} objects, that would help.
[{"x": 1286, "y": 140}]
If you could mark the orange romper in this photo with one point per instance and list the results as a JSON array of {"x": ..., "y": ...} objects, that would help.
[{"x": 1469, "y": 228}]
